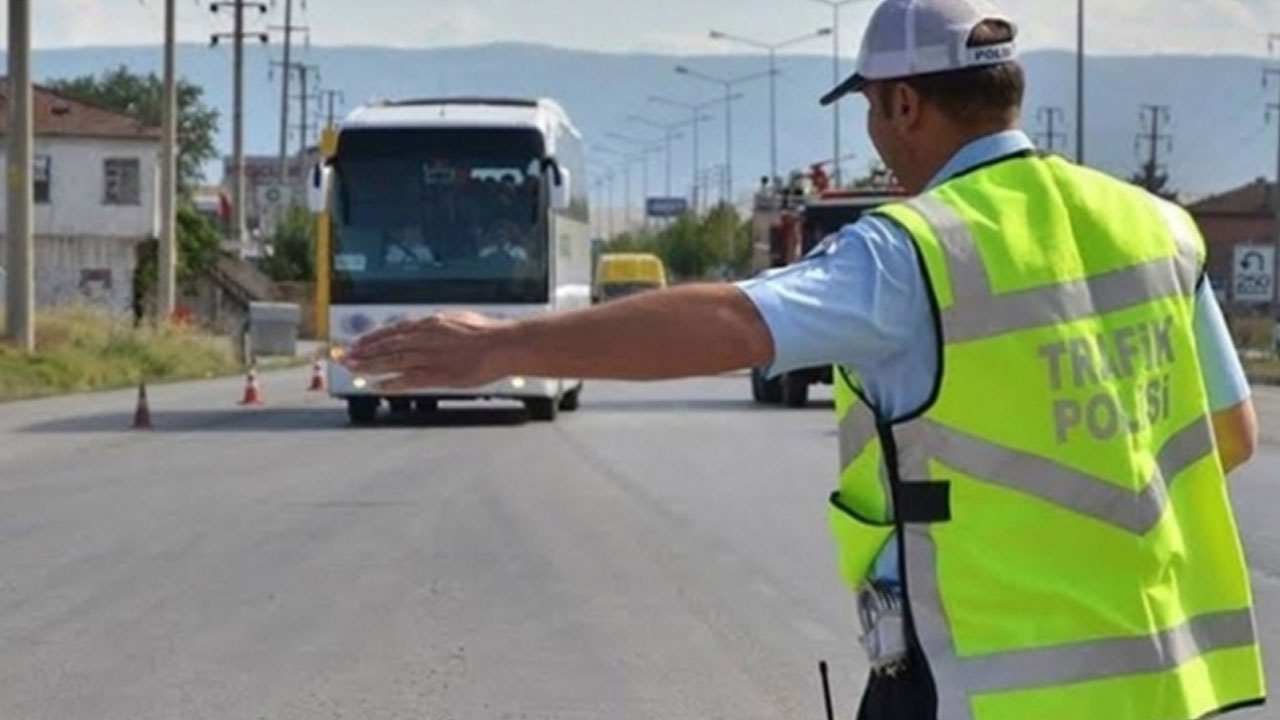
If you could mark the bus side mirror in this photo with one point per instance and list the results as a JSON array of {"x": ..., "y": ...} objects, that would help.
[
  {"x": 318, "y": 182},
  {"x": 562, "y": 191}
]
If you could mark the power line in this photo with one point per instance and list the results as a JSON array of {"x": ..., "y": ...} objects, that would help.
[
  {"x": 287, "y": 30},
  {"x": 1152, "y": 176},
  {"x": 331, "y": 97},
  {"x": 1050, "y": 118},
  {"x": 237, "y": 36},
  {"x": 1267, "y": 74},
  {"x": 304, "y": 97},
  {"x": 208, "y": 22},
  {"x": 151, "y": 10}
]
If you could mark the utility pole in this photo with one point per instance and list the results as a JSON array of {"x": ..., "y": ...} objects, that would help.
[
  {"x": 237, "y": 36},
  {"x": 1049, "y": 118},
  {"x": 332, "y": 96},
  {"x": 669, "y": 134},
  {"x": 728, "y": 85},
  {"x": 609, "y": 204},
  {"x": 287, "y": 30},
  {"x": 304, "y": 97},
  {"x": 696, "y": 121},
  {"x": 835, "y": 6},
  {"x": 771, "y": 48},
  {"x": 167, "y": 261},
  {"x": 1080, "y": 81},
  {"x": 1267, "y": 74},
  {"x": 20, "y": 327},
  {"x": 728, "y": 142},
  {"x": 1152, "y": 136}
]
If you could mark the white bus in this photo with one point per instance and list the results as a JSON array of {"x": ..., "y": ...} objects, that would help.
[{"x": 451, "y": 203}]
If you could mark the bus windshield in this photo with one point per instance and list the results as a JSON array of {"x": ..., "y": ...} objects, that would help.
[{"x": 439, "y": 216}]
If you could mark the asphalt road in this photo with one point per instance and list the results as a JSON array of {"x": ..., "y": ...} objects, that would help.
[{"x": 662, "y": 554}]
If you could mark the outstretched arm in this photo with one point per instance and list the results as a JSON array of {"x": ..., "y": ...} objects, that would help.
[{"x": 682, "y": 332}]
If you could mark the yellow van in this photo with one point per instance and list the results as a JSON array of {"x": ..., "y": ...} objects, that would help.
[{"x": 621, "y": 274}]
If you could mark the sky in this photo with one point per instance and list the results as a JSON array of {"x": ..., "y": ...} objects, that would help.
[{"x": 1237, "y": 27}]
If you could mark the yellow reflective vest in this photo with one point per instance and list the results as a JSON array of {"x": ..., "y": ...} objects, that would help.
[{"x": 1067, "y": 544}]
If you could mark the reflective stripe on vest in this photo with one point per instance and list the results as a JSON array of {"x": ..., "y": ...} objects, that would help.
[
  {"x": 983, "y": 314},
  {"x": 1088, "y": 555}
]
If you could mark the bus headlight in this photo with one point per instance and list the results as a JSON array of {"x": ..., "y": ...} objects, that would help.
[
  {"x": 337, "y": 352},
  {"x": 359, "y": 382},
  {"x": 517, "y": 383}
]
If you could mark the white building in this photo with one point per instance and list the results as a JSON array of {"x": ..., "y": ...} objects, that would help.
[{"x": 96, "y": 194}]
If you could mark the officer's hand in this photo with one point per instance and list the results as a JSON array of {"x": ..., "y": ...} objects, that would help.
[{"x": 451, "y": 350}]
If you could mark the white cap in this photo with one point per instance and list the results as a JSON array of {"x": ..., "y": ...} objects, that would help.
[{"x": 917, "y": 37}]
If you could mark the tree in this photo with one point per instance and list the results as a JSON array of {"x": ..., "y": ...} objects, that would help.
[
  {"x": 142, "y": 96},
  {"x": 293, "y": 248},
  {"x": 694, "y": 248},
  {"x": 198, "y": 247},
  {"x": 1155, "y": 181}
]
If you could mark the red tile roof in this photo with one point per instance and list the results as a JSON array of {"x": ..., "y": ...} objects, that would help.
[
  {"x": 56, "y": 116},
  {"x": 1252, "y": 199}
]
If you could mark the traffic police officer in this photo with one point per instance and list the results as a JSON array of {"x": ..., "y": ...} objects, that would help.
[{"x": 1038, "y": 402}]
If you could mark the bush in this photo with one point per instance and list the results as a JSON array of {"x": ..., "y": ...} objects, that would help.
[
  {"x": 694, "y": 248},
  {"x": 82, "y": 349},
  {"x": 293, "y": 246},
  {"x": 197, "y": 250}
]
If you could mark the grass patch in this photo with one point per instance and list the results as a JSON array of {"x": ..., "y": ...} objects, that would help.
[
  {"x": 1266, "y": 371},
  {"x": 83, "y": 349}
]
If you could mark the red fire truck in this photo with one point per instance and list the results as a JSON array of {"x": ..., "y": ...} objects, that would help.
[{"x": 788, "y": 222}]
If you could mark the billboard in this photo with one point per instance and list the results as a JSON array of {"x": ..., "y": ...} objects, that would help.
[{"x": 666, "y": 207}]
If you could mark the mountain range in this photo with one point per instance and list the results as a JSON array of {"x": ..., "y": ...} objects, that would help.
[{"x": 1220, "y": 136}]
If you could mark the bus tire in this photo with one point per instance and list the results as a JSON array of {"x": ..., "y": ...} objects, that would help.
[
  {"x": 542, "y": 409},
  {"x": 400, "y": 406},
  {"x": 764, "y": 390},
  {"x": 425, "y": 406},
  {"x": 795, "y": 390},
  {"x": 571, "y": 399},
  {"x": 362, "y": 411}
]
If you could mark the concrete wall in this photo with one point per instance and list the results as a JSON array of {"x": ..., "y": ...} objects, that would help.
[{"x": 85, "y": 269}]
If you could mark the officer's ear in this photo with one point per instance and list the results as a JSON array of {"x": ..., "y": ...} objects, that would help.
[
  {"x": 899, "y": 104},
  {"x": 905, "y": 106}
]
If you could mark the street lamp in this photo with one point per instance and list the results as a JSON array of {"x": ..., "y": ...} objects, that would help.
[
  {"x": 772, "y": 49},
  {"x": 835, "y": 6},
  {"x": 606, "y": 226},
  {"x": 696, "y": 120},
  {"x": 668, "y": 133},
  {"x": 1080, "y": 82},
  {"x": 626, "y": 160},
  {"x": 626, "y": 178},
  {"x": 645, "y": 148},
  {"x": 728, "y": 85}
]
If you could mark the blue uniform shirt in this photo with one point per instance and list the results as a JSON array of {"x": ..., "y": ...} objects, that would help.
[{"x": 860, "y": 300}]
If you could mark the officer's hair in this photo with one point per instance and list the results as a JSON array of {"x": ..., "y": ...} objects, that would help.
[{"x": 974, "y": 96}]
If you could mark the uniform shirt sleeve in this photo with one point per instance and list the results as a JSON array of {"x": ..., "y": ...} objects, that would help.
[
  {"x": 1224, "y": 377},
  {"x": 858, "y": 299}
]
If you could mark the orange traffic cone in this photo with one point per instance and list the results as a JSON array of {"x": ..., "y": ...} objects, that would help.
[
  {"x": 252, "y": 391},
  {"x": 317, "y": 378},
  {"x": 142, "y": 415}
]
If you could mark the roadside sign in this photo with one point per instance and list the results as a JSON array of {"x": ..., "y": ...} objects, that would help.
[
  {"x": 274, "y": 196},
  {"x": 666, "y": 207},
  {"x": 1253, "y": 278}
]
